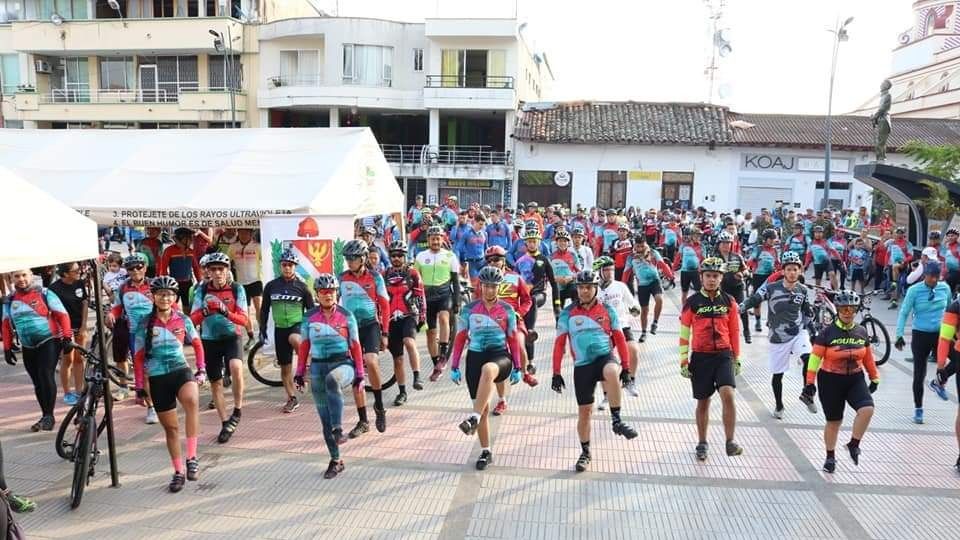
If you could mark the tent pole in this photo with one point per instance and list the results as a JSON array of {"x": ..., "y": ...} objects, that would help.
[{"x": 107, "y": 397}]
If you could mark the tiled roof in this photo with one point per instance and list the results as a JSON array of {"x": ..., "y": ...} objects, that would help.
[
  {"x": 624, "y": 123},
  {"x": 698, "y": 124}
]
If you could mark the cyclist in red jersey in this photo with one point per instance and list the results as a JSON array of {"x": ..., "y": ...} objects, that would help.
[{"x": 408, "y": 312}]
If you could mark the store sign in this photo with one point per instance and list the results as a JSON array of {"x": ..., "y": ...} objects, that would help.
[
  {"x": 781, "y": 162},
  {"x": 562, "y": 179},
  {"x": 816, "y": 165},
  {"x": 474, "y": 184},
  {"x": 645, "y": 176}
]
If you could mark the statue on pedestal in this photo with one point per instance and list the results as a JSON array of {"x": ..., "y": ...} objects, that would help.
[{"x": 881, "y": 120}]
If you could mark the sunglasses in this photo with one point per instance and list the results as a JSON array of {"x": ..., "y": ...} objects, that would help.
[
  {"x": 397, "y": 255},
  {"x": 494, "y": 259},
  {"x": 137, "y": 267}
]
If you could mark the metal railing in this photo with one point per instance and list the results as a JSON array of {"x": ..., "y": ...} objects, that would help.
[
  {"x": 294, "y": 80},
  {"x": 423, "y": 154},
  {"x": 110, "y": 95},
  {"x": 468, "y": 81}
]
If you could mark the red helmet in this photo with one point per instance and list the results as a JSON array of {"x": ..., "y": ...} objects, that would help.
[{"x": 494, "y": 251}]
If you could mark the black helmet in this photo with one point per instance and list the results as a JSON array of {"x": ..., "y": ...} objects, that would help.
[
  {"x": 953, "y": 231},
  {"x": 713, "y": 264},
  {"x": 180, "y": 232},
  {"x": 561, "y": 234},
  {"x": 217, "y": 258},
  {"x": 490, "y": 275},
  {"x": 790, "y": 257},
  {"x": 846, "y": 298},
  {"x": 134, "y": 259},
  {"x": 164, "y": 283},
  {"x": 288, "y": 255},
  {"x": 435, "y": 230},
  {"x": 587, "y": 277},
  {"x": 326, "y": 281},
  {"x": 397, "y": 246},
  {"x": 933, "y": 235},
  {"x": 354, "y": 249},
  {"x": 769, "y": 234},
  {"x": 901, "y": 230}
]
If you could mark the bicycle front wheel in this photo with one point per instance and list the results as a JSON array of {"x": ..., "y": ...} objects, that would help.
[
  {"x": 67, "y": 437},
  {"x": 82, "y": 454},
  {"x": 879, "y": 340},
  {"x": 264, "y": 367}
]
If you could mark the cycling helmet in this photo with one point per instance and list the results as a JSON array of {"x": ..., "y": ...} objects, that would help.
[
  {"x": 901, "y": 230},
  {"x": 180, "y": 232},
  {"x": 953, "y": 231},
  {"x": 217, "y": 258},
  {"x": 494, "y": 251},
  {"x": 769, "y": 234},
  {"x": 354, "y": 249},
  {"x": 846, "y": 298},
  {"x": 326, "y": 282},
  {"x": 602, "y": 262},
  {"x": 724, "y": 236},
  {"x": 790, "y": 257},
  {"x": 818, "y": 228},
  {"x": 611, "y": 211},
  {"x": 532, "y": 234},
  {"x": 164, "y": 283},
  {"x": 490, "y": 275},
  {"x": 713, "y": 264},
  {"x": 532, "y": 204},
  {"x": 639, "y": 238},
  {"x": 587, "y": 277},
  {"x": 578, "y": 229},
  {"x": 435, "y": 230},
  {"x": 134, "y": 259},
  {"x": 288, "y": 255},
  {"x": 561, "y": 234},
  {"x": 518, "y": 223},
  {"x": 397, "y": 246},
  {"x": 531, "y": 224},
  {"x": 203, "y": 260},
  {"x": 623, "y": 227},
  {"x": 933, "y": 235}
]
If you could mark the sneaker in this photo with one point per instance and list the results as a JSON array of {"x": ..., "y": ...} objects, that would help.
[
  {"x": 603, "y": 404},
  {"x": 530, "y": 380},
  {"x": 399, "y": 400},
  {"x": 486, "y": 458},
  {"x": 778, "y": 414},
  {"x": 359, "y": 429},
  {"x": 758, "y": 327},
  {"x": 211, "y": 406},
  {"x": 333, "y": 469},
  {"x": 417, "y": 383},
  {"x": 438, "y": 369},
  {"x": 291, "y": 405},
  {"x": 830, "y": 465},
  {"x": 940, "y": 389},
  {"x": 47, "y": 423},
  {"x": 469, "y": 426},
  {"x": 893, "y": 305},
  {"x": 151, "y": 417},
  {"x": 918, "y": 416},
  {"x": 381, "y": 419},
  {"x": 653, "y": 328},
  {"x": 176, "y": 484},
  {"x": 227, "y": 430},
  {"x": 702, "y": 451},
  {"x": 20, "y": 505},
  {"x": 71, "y": 398},
  {"x": 583, "y": 462},
  {"x": 632, "y": 389},
  {"x": 624, "y": 430},
  {"x": 747, "y": 339},
  {"x": 338, "y": 436},
  {"x": 38, "y": 425},
  {"x": 854, "y": 453},
  {"x": 643, "y": 337},
  {"x": 500, "y": 408},
  {"x": 809, "y": 402},
  {"x": 531, "y": 369},
  {"x": 734, "y": 449},
  {"x": 193, "y": 469}
]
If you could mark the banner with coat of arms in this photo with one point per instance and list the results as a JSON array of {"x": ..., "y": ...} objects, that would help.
[{"x": 317, "y": 240}]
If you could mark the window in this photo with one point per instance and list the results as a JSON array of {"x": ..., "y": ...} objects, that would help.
[
  {"x": 11, "y": 10},
  {"x": 217, "y": 70},
  {"x": 104, "y": 11},
  {"x": 193, "y": 8},
  {"x": 163, "y": 8},
  {"x": 117, "y": 73},
  {"x": 300, "y": 68},
  {"x": 418, "y": 59},
  {"x": 166, "y": 76},
  {"x": 474, "y": 68},
  {"x": 944, "y": 82},
  {"x": 9, "y": 73},
  {"x": 611, "y": 189},
  {"x": 367, "y": 65},
  {"x": 71, "y": 80},
  {"x": 68, "y": 9}
]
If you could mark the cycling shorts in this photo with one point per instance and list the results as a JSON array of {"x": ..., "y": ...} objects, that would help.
[
  {"x": 758, "y": 280},
  {"x": 857, "y": 275},
  {"x": 711, "y": 371},
  {"x": 253, "y": 289},
  {"x": 689, "y": 279},
  {"x": 121, "y": 341},
  {"x": 164, "y": 388},
  {"x": 644, "y": 292},
  {"x": 281, "y": 344},
  {"x": 781, "y": 353},
  {"x": 475, "y": 362},
  {"x": 836, "y": 389},
  {"x": 217, "y": 353},
  {"x": 628, "y": 333},
  {"x": 399, "y": 330},
  {"x": 586, "y": 377},
  {"x": 820, "y": 269},
  {"x": 434, "y": 307},
  {"x": 370, "y": 338}
]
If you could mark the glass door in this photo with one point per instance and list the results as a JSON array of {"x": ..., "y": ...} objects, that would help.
[{"x": 148, "y": 83}]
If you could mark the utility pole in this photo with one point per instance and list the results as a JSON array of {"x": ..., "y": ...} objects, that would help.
[{"x": 839, "y": 34}]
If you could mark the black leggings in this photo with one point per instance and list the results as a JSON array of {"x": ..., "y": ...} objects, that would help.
[
  {"x": 740, "y": 295},
  {"x": 530, "y": 321},
  {"x": 921, "y": 344},
  {"x": 41, "y": 364}
]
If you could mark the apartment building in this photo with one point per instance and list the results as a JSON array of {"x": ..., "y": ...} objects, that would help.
[{"x": 440, "y": 95}]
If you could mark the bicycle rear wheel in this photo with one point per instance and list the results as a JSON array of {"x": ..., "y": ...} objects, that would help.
[
  {"x": 264, "y": 367},
  {"x": 65, "y": 442},
  {"x": 83, "y": 450},
  {"x": 879, "y": 339}
]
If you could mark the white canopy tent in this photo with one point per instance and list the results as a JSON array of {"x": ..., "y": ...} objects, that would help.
[
  {"x": 206, "y": 177},
  {"x": 39, "y": 230}
]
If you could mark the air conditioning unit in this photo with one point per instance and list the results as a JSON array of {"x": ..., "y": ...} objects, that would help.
[{"x": 41, "y": 66}]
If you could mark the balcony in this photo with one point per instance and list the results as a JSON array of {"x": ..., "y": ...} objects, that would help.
[
  {"x": 281, "y": 91},
  {"x": 176, "y": 105},
  {"x": 469, "y": 92},
  {"x": 460, "y": 161},
  {"x": 145, "y": 36}
]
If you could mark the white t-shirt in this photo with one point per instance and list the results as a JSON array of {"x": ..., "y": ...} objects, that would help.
[
  {"x": 246, "y": 259},
  {"x": 113, "y": 280},
  {"x": 586, "y": 256},
  {"x": 617, "y": 295}
]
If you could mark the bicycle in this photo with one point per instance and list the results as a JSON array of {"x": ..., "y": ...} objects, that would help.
[
  {"x": 825, "y": 313},
  {"x": 83, "y": 418},
  {"x": 265, "y": 368}
]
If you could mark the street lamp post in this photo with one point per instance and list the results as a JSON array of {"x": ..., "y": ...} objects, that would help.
[
  {"x": 221, "y": 44},
  {"x": 839, "y": 34}
]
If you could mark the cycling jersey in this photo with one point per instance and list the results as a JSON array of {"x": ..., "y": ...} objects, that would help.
[
  {"x": 820, "y": 252},
  {"x": 688, "y": 257},
  {"x": 491, "y": 328},
  {"x": 899, "y": 251},
  {"x": 418, "y": 241},
  {"x": 709, "y": 324},
  {"x": 765, "y": 260},
  {"x": 415, "y": 216},
  {"x": 621, "y": 249},
  {"x": 609, "y": 235},
  {"x": 798, "y": 244},
  {"x": 470, "y": 245},
  {"x": 647, "y": 270},
  {"x": 246, "y": 261},
  {"x": 593, "y": 333},
  {"x": 286, "y": 300},
  {"x": 164, "y": 352},
  {"x": 928, "y": 306},
  {"x": 178, "y": 263},
  {"x": 436, "y": 268},
  {"x": 498, "y": 234},
  {"x": 839, "y": 246},
  {"x": 536, "y": 270},
  {"x": 951, "y": 256},
  {"x": 329, "y": 337},
  {"x": 948, "y": 333},
  {"x": 842, "y": 350},
  {"x": 617, "y": 295},
  {"x": 857, "y": 258},
  {"x": 670, "y": 237},
  {"x": 733, "y": 277},
  {"x": 565, "y": 264},
  {"x": 215, "y": 325},
  {"x": 514, "y": 291},
  {"x": 36, "y": 315},
  {"x": 650, "y": 227},
  {"x": 365, "y": 295},
  {"x": 133, "y": 301},
  {"x": 788, "y": 310},
  {"x": 407, "y": 298}
]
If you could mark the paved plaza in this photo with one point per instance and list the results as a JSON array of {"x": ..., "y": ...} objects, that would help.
[{"x": 417, "y": 481}]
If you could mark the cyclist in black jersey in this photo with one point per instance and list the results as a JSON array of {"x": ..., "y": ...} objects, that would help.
[
  {"x": 286, "y": 298},
  {"x": 535, "y": 268}
]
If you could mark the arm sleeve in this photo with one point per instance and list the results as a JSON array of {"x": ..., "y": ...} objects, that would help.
[
  {"x": 807, "y": 258},
  {"x": 419, "y": 293},
  {"x": 59, "y": 314},
  {"x": 948, "y": 330},
  {"x": 7, "y": 329},
  {"x": 197, "y": 273},
  {"x": 627, "y": 274},
  {"x": 914, "y": 276},
  {"x": 356, "y": 352},
  {"x": 686, "y": 320},
  {"x": 303, "y": 351},
  {"x": 665, "y": 269},
  {"x": 116, "y": 308},
  {"x": 554, "y": 289},
  {"x": 620, "y": 342},
  {"x": 194, "y": 337},
  {"x": 163, "y": 263},
  {"x": 513, "y": 340},
  {"x": 524, "y": 299},
  {"x": 459, "y": 341},
  {"x": 870, "y": 364},
  {"x": 455, "y": 281},
  {"x": 813, "y": 364},
  {"x": 676, "y": 258},
  {"x": 905, "y": 308},
  {"x": 238, "y": 315},
  {"x": 139, "y": 337},
  {"x": 264, "y": 308},
  {"x": 558, "y": 345},
  {"x": 733, "y": 321}
]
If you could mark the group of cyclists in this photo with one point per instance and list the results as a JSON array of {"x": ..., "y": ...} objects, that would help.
[{"x": 477, "y": 276}]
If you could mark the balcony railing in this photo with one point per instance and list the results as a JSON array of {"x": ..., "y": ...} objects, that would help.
[
  {"x": 294, "y": 80},
  {"x": 445, "y": 155},
  {"x": 468, "y": 81},
  {"x": 109, "y": 95}
]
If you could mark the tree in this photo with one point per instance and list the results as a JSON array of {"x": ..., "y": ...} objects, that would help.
[
  {"x": 940, "y": 161},
  {"x": 937, "y": 206}
]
